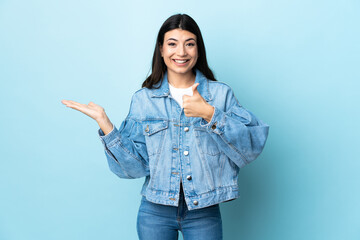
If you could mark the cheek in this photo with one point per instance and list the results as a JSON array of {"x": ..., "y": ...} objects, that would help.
[
  {"x": 166, "y": 54},
  {"x": 168, "y": 51},
  {"x": 194, "y": 53},
  {"x": 195, "y": 57}
]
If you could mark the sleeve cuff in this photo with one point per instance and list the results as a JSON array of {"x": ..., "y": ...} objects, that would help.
[
  {"x": 108, "y": 138},
  {"x": 216, "y": 123}
]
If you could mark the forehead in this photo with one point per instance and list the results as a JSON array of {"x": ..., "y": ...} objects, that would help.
[{"x": 179, "y": 34}]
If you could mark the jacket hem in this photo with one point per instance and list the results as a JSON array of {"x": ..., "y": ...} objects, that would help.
[{"x": 207, "y": 199}]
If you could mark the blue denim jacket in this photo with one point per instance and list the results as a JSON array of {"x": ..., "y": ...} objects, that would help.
[{"x": 157, "y": 141}]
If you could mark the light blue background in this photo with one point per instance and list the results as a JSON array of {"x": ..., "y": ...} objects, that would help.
[{"x": 295, "y": 64}]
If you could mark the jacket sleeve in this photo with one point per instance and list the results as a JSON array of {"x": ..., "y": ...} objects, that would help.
[
  {"x": 238, "y": 132},
  {"x": 125, "y": 149}
]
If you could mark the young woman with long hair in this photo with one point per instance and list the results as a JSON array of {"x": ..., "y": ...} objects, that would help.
[{"x": 186, "y": 133}]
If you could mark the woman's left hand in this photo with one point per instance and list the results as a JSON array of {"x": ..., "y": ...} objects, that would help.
[{"x": 196, "y": 106}]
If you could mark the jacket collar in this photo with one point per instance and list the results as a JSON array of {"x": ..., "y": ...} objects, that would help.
[{"x": 203, "y": 87}]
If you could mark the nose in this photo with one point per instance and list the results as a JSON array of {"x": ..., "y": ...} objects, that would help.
[{"x": 181, "y": 50}]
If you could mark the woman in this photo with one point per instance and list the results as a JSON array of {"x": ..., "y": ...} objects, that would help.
[{"x": 186, "y": 133}]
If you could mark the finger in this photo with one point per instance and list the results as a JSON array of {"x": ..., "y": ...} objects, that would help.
[
  {"x": 194, "y": 87},
  {"x": 69, "y": 102},
  {"x": 65, "y": 101},
  {"x": 75, "y": 105},
  {"x": 185, "y": 96}
]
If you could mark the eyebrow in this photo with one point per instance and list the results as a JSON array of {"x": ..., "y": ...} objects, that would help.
[{"x": 185, "y": 40}]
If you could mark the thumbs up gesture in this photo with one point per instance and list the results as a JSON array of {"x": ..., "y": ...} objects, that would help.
[{"x": 196, "y": 106}]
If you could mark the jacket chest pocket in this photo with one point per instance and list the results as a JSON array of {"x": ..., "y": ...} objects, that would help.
[
  {"x": 207, "y": 145},
  {"x": 154, "y": 132}
]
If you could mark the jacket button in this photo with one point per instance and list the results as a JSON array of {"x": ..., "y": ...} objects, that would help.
[
  {"x": 188, "y": 177},
  {"x": 195, "y": 202},
  {"x": 186, "y": 129},
  {"x": 186, "y": 153},
  {"x": 213, "y": 126}
]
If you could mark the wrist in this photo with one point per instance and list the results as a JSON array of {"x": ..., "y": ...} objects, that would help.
[
  {"x": 209, "y": 113},
  {"x": 102, "y": 118},
  {"x": 106, "y": 126}
]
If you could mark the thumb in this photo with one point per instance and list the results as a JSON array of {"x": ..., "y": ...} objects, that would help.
[{"x": 194, "y": 88}]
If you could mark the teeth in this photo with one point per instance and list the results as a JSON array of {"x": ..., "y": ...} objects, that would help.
[{"x": 180, "y": 61}]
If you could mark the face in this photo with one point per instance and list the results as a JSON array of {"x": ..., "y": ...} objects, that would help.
[{"x": 179, "y": 51}]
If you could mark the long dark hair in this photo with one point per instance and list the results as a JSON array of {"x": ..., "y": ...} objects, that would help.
[{"x": 184, "y": 22}]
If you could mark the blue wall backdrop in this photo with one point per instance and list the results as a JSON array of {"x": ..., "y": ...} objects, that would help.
[{"x": 294, "y": 64}]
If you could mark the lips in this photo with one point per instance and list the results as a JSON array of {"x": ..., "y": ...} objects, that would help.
[{"x": 181, "y": 60}]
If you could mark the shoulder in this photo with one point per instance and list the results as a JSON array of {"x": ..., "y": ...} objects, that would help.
[
  {"x": 219, "y": 84},
  {"x": 140, "y": 91},
  {"x": 140, "y": 99},
  {"x": 140, "y": 94},
  {"x": 223, "y": 94},
  {"x": 220, "y": 88},
  {"x": 212, "y": 85}
]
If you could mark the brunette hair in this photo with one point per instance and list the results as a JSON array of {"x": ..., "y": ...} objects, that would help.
[{"x": 184, "y": 22}]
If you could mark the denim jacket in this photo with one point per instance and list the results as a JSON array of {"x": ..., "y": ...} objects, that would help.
[{"x": 157, "y": 141}]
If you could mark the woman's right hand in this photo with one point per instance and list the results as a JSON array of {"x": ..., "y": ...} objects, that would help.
[{"x": 94, "y": 111}]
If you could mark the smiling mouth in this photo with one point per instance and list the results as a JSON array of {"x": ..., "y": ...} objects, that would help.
[{"x": 181, "y": 61}]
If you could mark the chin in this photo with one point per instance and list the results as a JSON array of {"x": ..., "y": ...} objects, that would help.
[{"x": 181, "y": 70}]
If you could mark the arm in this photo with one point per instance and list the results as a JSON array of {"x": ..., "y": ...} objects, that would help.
[
  {"x": 125, "y": 149},
  {"x": 238, "y": 132}
]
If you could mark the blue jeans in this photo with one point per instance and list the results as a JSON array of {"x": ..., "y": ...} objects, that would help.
[{"x": 157, "y": 221}]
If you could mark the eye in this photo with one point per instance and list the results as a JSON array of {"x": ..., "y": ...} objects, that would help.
[
  {"x": 191, "y": 44},
  {"x": 171, "y": 44}
]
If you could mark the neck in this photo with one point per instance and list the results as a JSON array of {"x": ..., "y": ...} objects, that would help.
[{"x": 181, "y": 80}]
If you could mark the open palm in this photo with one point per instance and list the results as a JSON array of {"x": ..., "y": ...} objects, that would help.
[{"x": 92, "y": 110}]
